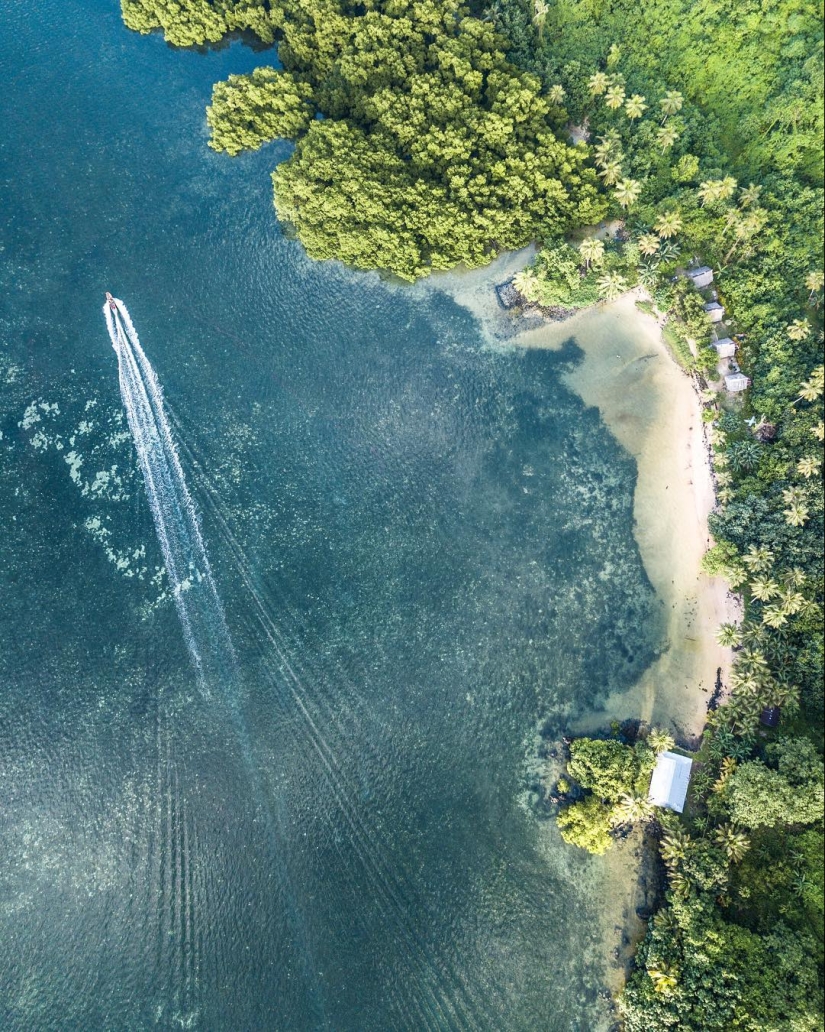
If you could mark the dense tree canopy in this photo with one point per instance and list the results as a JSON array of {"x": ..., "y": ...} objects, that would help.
[{"x": 429, "y": 148}]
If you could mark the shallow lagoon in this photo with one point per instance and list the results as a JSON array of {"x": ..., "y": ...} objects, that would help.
[{"x": 424, "y": 549}]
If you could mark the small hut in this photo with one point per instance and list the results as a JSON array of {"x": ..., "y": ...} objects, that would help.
[
  {"x": 715, "y": 311},
  {"x": 735, "y": 383},
  {"x": 725, "y": 348},
  {"x": 669, "y": 781},
  {"x": 702, "y": 277}
]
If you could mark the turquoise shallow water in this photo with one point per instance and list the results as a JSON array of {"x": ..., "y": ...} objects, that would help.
[{"x": 423, "y": 548}]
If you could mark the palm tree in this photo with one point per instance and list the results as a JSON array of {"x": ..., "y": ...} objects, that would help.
[
  {"x": 728, "y": 635},
  {"x": 631, "y": 809},
  {"x": 614, "y": 98},
  {"x": 725, "y": 496},
  {"x": 814, "y": 281},
  {"x": 754, "y": 661},
  {"x": 671, "y": 103},
  {"x": 556, "y": 94},
  {"x": 674, "y": 847},
  {"x": 808, "y": 465},
  {"x": 817, "y": 431},
  {"x": 611, "y": 173},
  {"x": 613, "y": 56},
  {"x": 797, "y": 514},
  {"x": 811, "y": 389},
  {"x": 666, "y": 136},
  {"x": 648, "y": 243},
  {"x": 659, "y": 740},
  {"x": 592, "y": 251},
  {"x": 668, "y": 224},
  {"x": 670, "y": 251},
  {"x": 609, "y": 149},
  {"x": 758, "y": 559},
  {"x": 526, "y": 283},
  {"x": 749, "y": 194},
  {"x": 611, "y": 285},
  {"x": 773, "y": 616},
  {"x": 792, "y": 601},
  {"x": 635, "y": 106},
  {"x": 744, "y": 455},
  {"x": 540, "y": 9},
  {"x": 735, "y": 843},
  {"x": 795, "y": 577},
  {"x": 664, "y": 978},
  {"x": 727, "y": 768},
  {"x": 712, "y": 190},
  {"x": 799, "y": 329},
  {"x": 764, "y": 589},
  {"x": 627, "y": 192},
  {"x": 786, "y": 696},
  {"x": 598, "y": 84},
  {"x": 648, "y": 274}
]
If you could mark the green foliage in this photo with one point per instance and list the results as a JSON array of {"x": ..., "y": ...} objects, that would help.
[
  {"x": 701, "y": 972},
  {"x": 587, "y": 824},
  {"x": 759, "y": 796},
  {"x": 558, "y": 279},
  {"x": 187, "y": 23},
  {"x": 433, "y": 150},
  {"x": 618, "y": 777},
  {"x": 723, "y": 560},
  {"x": 563, "y": 277},
  {"x": 610, "y": 769},
  {"x": 248, "y": 110}
]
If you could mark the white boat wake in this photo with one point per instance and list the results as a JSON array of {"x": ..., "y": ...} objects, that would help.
[{"x": 173, "y": 511}]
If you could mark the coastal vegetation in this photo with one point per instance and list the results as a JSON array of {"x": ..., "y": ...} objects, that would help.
[
  {"x": 419, "y": 146},
  {"x": 429, "y": 134}
]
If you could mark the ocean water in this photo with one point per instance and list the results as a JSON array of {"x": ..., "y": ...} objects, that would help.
[{"x": 423, "y": 549}]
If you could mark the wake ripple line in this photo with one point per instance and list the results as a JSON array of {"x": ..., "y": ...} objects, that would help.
[
  {"x": 367, "y": 848},
  {"x": 204, "y": 627}
]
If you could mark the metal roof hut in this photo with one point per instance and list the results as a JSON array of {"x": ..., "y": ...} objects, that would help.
[
  {"x": 669, "y": 781},
  {"x": 702, "y": 277},
  {"x": 715, "y": 311},
  {"x": 736, "y": 382},
  {"x": 725, "y": 348}
]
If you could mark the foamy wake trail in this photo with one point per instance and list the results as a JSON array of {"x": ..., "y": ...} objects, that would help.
[{"x": 173, "y": 511}]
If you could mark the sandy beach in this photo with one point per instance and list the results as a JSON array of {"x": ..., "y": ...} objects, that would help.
[{"x": 652, "y": 407}]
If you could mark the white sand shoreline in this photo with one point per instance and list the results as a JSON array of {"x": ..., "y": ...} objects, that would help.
[{"x": 652, "y": 408}]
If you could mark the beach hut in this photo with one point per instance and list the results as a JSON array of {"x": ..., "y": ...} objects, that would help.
[
  {"x": 702, "y": 277},
  {"x": 669, "y": 781},
  {"x": 736, "y": 382},
  {"x": 725, "y": 348},
  {"x": 715, "y": 311}
]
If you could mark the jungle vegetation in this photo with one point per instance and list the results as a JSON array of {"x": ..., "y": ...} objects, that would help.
[
  {"x": 418, "y": 144},
  {"x": 712, "y": 113}
]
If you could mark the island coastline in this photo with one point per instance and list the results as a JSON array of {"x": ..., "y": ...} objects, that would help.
[{"x": 651, "y": 405}]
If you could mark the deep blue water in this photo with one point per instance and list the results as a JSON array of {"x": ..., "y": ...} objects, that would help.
[{"x": 409, "y": 533}]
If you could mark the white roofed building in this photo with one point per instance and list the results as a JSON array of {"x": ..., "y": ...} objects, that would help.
[
  {"x": 669, "y": 781},
  {"x": 736, "y": 382},
  {"x": 702, "y": 277},
  {"x": 715, "y": 311},
  {"x": 725, "y": 348}
]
